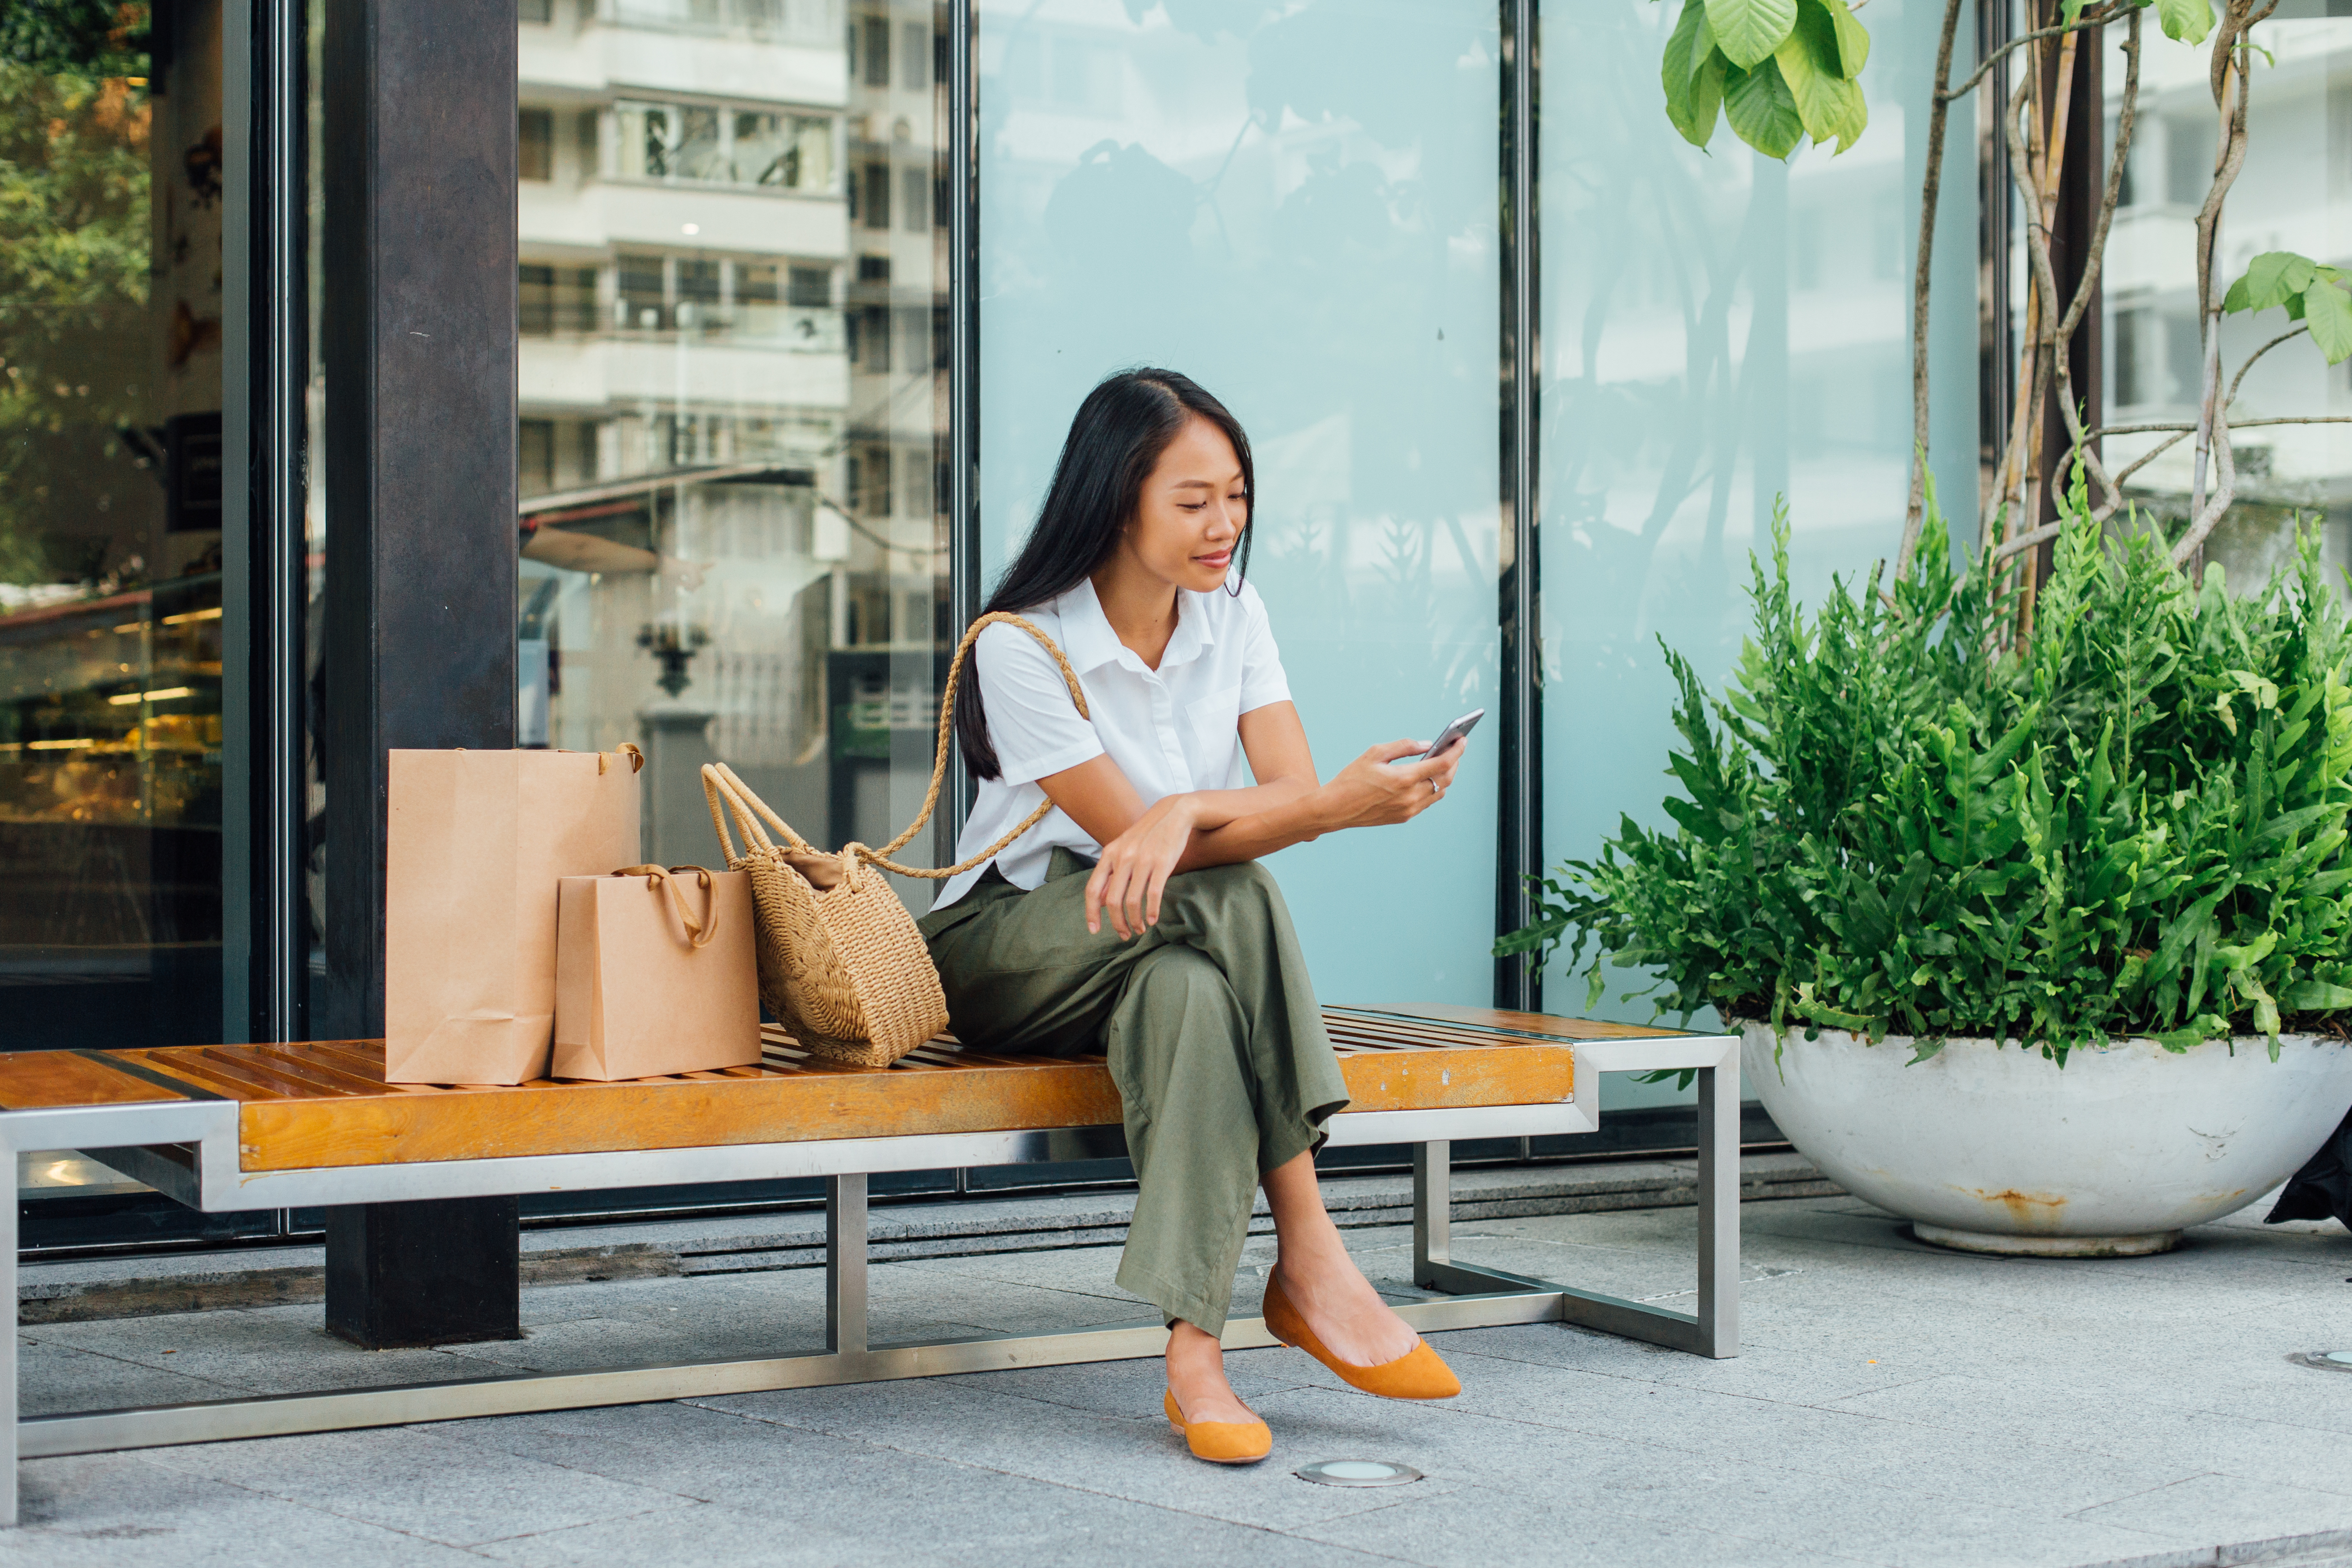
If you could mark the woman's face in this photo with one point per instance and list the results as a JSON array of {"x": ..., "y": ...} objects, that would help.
[{"x": 1193, "y": 510}]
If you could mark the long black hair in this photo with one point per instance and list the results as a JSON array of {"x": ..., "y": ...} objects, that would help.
[{"x": 1115, "y": 441}]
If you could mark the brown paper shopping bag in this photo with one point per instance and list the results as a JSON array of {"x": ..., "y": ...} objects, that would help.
[
  {"x": 654, "y": 973},
  {"x": 474, "y": 845}
]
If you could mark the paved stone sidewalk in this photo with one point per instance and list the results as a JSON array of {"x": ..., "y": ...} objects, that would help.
[{"x": 1894, "y": 1405}]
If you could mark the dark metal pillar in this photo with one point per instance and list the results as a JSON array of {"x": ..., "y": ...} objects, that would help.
[
  {"x": 964, "y": 587},
  {"x": 419, "y": 340},
  {"x": 1519, "y": 979},
  {"x": 262, "y": 577}
]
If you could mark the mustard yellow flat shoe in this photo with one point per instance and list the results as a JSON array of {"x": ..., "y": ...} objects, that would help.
[
  {"x": 1419, "y": 1373},
  {"x": 1220, "y": 1442}
]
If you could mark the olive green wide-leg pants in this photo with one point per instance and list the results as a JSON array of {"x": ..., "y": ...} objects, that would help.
[{"x": 1213, "y": 1035}]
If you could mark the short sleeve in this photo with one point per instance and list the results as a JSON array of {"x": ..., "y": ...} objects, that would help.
[
  {"x": 1034, "y": 726},
  {"x": 1263, "y": 680}
]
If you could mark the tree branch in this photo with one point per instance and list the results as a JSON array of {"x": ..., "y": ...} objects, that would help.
[
  {"x": 2037, "y": 238},
  {"x": 2239, "y": 379},
  {"x": 2145, "y": 458},
  {"x": 2008, "y": 476},
  {"x": 2234, "y": 425},
  {"x": 2230, "y": 94},
  {"x": 2095, "y": 255},
  {"x": 1930, "y": 190},
  {"x": 2025, "y": 542},
  {"x": 2098, "y": 18}
]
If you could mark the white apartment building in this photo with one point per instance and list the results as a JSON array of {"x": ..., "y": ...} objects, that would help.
[{"x": 733, "y": 273}]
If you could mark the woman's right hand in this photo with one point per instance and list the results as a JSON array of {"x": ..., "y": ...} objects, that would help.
[{"x": 1376, "y": 789}]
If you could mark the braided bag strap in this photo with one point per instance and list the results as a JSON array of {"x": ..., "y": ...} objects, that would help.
[{"x": 946, "y": 750}]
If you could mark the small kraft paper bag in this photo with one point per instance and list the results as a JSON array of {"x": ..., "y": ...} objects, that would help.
[
  {"x": 475, "y": 843},
  {"x": 654, "y": 973}
]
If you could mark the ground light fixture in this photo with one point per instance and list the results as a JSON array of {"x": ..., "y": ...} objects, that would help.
[{"x": 1376, "y": 1472}]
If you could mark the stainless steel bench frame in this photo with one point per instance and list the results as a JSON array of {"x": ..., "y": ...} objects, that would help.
[{"x": 188, "y": 1150}]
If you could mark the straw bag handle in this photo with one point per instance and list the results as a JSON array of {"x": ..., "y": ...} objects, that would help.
[
  {"x": 699, "y": 933},
  {"x": 719, "y": 781}
]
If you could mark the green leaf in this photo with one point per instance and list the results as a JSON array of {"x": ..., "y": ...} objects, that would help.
[
  {"x": 1762, "y": 111},
  {"x": 1692, "y": 74},
  {"x": 1813, "y": 1012},
  {"x": 1829, "y": 107},
  {"x": 1922, "y": 1050},
  {"x": 1747, "y": 31},
  {"x": 2329, "y": 309},
  {"x": 2274, "y": 277},
  {"x": 2245, "y": 955},
  {"x": 2317, "y": 996},
  {"x": 1853, "y": 39},
  {"x": 2187, "y": 21},
  {"x": 1531, "y": 938}
]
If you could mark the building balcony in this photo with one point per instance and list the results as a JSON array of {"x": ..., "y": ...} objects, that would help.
[
  {"x": 594, "y": 374},
  {"x": 589, "y": 219}
]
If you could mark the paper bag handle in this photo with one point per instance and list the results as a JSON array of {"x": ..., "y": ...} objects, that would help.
[{"x": 699, "y": 933}]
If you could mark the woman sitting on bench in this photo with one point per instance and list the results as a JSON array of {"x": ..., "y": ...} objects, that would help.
[{"x": 1135, "y": 919}]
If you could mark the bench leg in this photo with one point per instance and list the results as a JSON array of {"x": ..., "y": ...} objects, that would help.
[
  {"x": 1719, "y": 1209},
  {"x": 1432, "y": 1211},
  {"x": 845, "y": 1265},
  {"x": 1713, "y": 1331}
]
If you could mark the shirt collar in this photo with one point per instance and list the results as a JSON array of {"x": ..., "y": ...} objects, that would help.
[
  {"x": 1090, "y": 643},
  {"x": 1086, "y": 636}
]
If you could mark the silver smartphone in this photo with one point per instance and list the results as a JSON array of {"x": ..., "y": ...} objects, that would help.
[{"x": 1451, "y": 733}]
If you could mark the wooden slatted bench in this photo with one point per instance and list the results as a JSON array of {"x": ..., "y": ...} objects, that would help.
[{"x": 223, "y": 1128}]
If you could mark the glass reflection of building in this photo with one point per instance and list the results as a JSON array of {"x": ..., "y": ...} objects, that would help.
[
  {"x": 110, "y": 494},
  {"x": 730, "y": 269},
  {"x": 2294, "y": 193}
]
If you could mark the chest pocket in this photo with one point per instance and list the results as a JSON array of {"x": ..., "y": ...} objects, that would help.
[{"x": 1214, "y": 722}]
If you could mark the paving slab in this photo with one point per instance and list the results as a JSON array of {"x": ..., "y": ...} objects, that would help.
[
  {"x": 420, "y": 1482},
  {"x": 1130, "y": 1453},
  {"x": 127, "y": 1511},
  {"x": 1894, "y": 1405}
]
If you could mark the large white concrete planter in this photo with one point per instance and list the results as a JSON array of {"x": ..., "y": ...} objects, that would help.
[{"x": 1999, "y": 1150}]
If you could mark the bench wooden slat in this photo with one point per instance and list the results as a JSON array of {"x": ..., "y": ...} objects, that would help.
[
  {"x": 355, "y": 1057},
  {"x": 207, "y": 1079},
  {"x": 37, "y": 1080},
  {"x": 293, "y": 1077},
  {"x": 351, "y": 1078}
]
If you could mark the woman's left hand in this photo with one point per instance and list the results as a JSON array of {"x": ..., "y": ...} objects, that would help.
[{"x": 1135, "y": 865}]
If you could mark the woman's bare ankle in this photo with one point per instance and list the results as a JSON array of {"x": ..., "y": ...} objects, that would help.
[
  {"x": 1196, "y": 1376},
  {"x": 1340, "y": 1304}
]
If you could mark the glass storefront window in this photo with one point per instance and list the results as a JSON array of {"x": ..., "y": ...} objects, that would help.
[
  {"x": 732, "y": 547},
  {"x": 1721, "y": 332},
  {"x": 1296, "y": 208},
  {"x": 112, "y": 211},
  {"x": 2293, "y": 194}
]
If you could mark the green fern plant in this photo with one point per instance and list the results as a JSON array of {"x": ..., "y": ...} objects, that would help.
[{"x": 2135, "y": 826}]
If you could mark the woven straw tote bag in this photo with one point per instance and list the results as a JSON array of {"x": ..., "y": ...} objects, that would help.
[{"x": 841, "y": 960}]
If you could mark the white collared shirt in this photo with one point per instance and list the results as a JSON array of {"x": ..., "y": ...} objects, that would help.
[{"x": 1170, "y": 731}]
